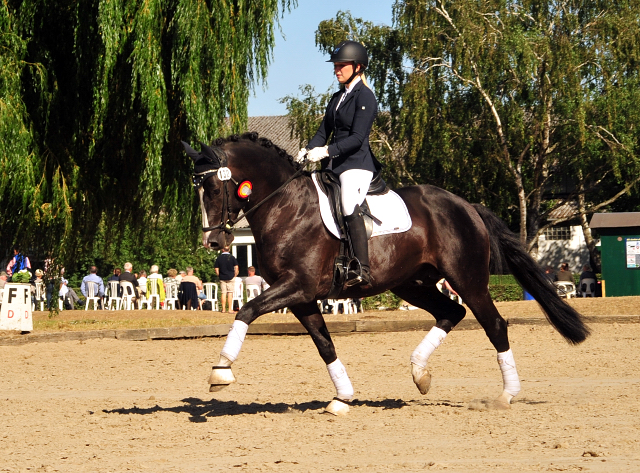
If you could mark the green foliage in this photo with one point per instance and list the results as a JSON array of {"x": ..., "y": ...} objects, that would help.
[{"x": 95, "y": 97}]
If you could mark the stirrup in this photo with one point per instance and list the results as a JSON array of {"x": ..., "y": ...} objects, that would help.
[{"x": 357, "y": 275}]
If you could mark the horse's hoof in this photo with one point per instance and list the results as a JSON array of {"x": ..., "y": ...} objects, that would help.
[
  {"x": 337, "y": 407},
  {"x": 221, "y": 377},
  {"x": 502, "y": 403},
  {"x": 421, "y": 378}
]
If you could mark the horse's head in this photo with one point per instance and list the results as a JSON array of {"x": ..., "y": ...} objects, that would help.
[{"x": 207, "y": 164}]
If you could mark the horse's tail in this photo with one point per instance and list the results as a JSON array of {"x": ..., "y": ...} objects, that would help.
[{"x": 506, "y": 246}]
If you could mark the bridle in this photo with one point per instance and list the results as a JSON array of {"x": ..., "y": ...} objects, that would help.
[{"x": 217, "y": 165}]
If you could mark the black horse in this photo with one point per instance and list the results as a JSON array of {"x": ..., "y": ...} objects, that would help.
[{"x": 450, "y": 238}]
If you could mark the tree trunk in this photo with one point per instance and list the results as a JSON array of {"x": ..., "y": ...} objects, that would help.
[{"x": 594, "y": 254}]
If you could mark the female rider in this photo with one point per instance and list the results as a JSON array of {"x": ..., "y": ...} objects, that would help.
[{"x": 348, "y": 120}]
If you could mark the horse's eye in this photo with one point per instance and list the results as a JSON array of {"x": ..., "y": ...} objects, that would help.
[{"x": 212, "y": 191}]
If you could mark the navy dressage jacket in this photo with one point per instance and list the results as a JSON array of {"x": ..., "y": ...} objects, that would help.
[{"x": 349, "y": 128}]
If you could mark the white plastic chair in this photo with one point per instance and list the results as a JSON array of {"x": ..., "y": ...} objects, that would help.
[
  {"x": 238, "y": 293},
  {"x": 588, "y": 287},
  {"x": 92, "y": 295},
  {"x": 152, "y": 294},
  {"x": 211, "y": 292},
  {"x": 40, "y": 295},
  {"x": 171, "y": 291},
  {"x": 348, "y": 306},
  {"x": 253, "y": 291},
  {"x": 128, "y": 295},
  {"x": 113, "y": 295}
]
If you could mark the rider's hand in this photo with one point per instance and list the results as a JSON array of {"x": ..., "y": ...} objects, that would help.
[
  {"x": 316, "y": 154},
  {"x": 301, "y": 154}
]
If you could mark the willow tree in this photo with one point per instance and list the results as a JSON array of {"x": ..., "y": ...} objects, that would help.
[{"x": 95, "y": 97}]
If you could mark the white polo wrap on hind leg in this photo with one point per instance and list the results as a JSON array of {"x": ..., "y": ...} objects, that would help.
[
  {"x": 427, "y": 346},
  {"x": 338, "y": 374},
  {"x": 234, "y": 341},
  {"x": 510, "y": 378}
]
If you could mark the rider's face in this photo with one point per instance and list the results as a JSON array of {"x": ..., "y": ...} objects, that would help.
[{"x": 343, "y": 71}]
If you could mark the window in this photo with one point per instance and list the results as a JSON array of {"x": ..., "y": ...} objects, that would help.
[{"x": 558, "y": 233}]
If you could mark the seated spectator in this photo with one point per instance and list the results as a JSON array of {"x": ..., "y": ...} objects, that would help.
[
  {"x": 127, "y": 276},
  {"x": 255, "y": 280},
  {"x": 115, "y": 277},
  {"x": 68, "y": 295},
  {"x": 18, "y": 262},
  {"x": 142, "y": 282},
  {"x": 188, "y": 293},
  {"x": 564, "y": 274},
  {"x": 180, "y": 275},
  {"x": 92, "y": 277},
  {"x": 155, "y": 278},
  {"x": 3, "y": 279},
  {"x": 551, "y": 274},
  {"x": 587, "y": 273},
  {"x": 171, "y": 278}
]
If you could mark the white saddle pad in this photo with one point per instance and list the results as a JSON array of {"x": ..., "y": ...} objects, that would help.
[{"x": 389, "y": 208}]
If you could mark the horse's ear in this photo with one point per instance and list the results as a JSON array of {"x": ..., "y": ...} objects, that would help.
[
  {"x": 191, "y": 152},
  {"x": 209, "y": 153}
]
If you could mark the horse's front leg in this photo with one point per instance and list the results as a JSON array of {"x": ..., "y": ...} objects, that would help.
[
  {"x": 310, "y": 317},
  {"x": 281, "y": 294}
]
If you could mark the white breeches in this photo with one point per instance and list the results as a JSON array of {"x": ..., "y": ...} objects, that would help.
[{"x": 354, "y": 184}]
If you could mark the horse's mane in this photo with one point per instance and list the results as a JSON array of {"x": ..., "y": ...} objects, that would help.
[{"x": 261, "y": 141}]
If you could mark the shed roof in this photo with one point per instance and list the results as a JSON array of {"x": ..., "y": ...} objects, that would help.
[
  {"x": 615, "y": 219},
  {"x": 277, "y": 129}
]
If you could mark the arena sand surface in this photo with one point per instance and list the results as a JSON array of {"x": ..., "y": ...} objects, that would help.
[{"x": 112, "y": 406}]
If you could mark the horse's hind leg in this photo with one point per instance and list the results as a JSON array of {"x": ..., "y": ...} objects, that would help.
[
  {"x": 496, "y": 329},
  {"x": 447, "y": 313},
  {"x": 310, "y": 317}
]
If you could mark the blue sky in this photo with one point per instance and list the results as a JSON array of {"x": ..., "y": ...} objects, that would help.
[{"x": 297, "y": 60}]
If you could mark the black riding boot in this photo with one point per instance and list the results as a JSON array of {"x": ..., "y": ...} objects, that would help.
[{"x": 358, "y": 234}]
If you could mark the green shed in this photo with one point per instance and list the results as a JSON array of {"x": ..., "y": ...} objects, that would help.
[{"x": 620, "y": 251}]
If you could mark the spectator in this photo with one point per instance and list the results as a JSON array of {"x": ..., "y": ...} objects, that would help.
[
  {"x": 564, "y": 274},
  {"x": 155, "y": 278},
  {"x": 68, "y": 295},
  {"x": 191, "y": 300},
  {"x": 127, "y": 276},
  {"x": 226, "y": 267},
  {"x": 92, "y": 277},
  {"x": 551, "y": 274},
  {"x": 142, "y": 283},
  {"x": 37, "y": 281},
  {"x": 18, "y": 263},
  {"x": 3, "y": 279},
  {"x": 255, "y": 280},
  {"x": 171, "y": 278},
  {"x": 180, "y": 275},
  {"x": 587, "y": 273}
]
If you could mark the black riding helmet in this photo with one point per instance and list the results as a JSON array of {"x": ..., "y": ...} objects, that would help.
[{"x": 350, "y": 51}]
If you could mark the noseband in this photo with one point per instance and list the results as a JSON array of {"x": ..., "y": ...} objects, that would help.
[{"x": 218, "y": 166}]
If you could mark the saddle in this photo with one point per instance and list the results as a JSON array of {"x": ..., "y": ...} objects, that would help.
[{"x": 330, "y": 185}]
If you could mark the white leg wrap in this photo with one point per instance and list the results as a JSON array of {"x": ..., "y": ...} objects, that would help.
[
  {"x": 338, "y": 373},
  {"x": 427, "y": 346},
  {"x": 510, "y": 378},
  {"x": 234, "y": 341}
]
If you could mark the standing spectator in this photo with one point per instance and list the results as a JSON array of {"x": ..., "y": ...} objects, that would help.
[
  {"x": 18, "y": 263},
  {"x": 142, "y": 282},
  {"x": 127, "y": 276},
  {"x": 564, "y": 274},
  {"x": 226, "y": 267},
  {"x": 155, "y": 278},
  {"x": 92, "y": 277}
]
